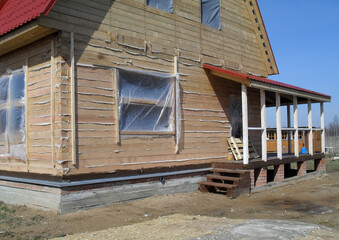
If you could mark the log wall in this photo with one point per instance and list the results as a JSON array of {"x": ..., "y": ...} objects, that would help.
[{"x": 126, "y": 33}]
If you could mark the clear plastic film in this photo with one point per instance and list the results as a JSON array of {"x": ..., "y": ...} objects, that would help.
[
  {"x": 165, "y": 5},
  {"x": 210, "y": 13},
  {"x": 146, "y": 102},
  {"x": 12, "y": 115}
]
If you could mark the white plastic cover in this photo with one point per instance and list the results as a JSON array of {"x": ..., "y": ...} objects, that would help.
[
  {"x": 210, "y": 13},
  {"x": 12, "y": 115},
  {"x": 165, "y": 5},
  {"x": 146, "y": 102}
]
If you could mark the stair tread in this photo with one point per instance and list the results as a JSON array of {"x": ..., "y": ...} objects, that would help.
[
  {"x": 229, "y": 170},
  {"x": 214, "y": 184},
  {"x": 223, "y": 177}
]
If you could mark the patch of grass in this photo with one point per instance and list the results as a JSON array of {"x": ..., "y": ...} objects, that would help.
[
  {"x": 332, "y": 165},
  {"x": 325, "y": 223}
]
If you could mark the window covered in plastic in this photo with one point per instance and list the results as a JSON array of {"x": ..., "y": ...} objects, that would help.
[
  {"x": 146, "y": 102},
  {"x": 210, "y": 13},
  {"x": 12, "y": 115},
  {"x": 165, "y": 5}
]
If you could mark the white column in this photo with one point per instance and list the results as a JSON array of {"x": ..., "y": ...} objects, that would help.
[
  {"x": 322, "y": 122},
  {"x": 263, "y": 125},
  {"x": 296, "y": 133},
  {"x": 310, "y": 126},
  {"x": 289, "y": 126},
  {"x": 244, "y": 123},
  {"x": 278, "y": 116}
]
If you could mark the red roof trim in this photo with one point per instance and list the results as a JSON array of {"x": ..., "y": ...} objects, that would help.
[
  {"x": 260, "y": 79},
  {"x": 15, "y": 13}
]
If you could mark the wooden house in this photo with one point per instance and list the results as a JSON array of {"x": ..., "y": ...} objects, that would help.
[{"x": 111, "y": 100}]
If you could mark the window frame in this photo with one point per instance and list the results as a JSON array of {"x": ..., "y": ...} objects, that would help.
[
  {"x": 9, "y": 105},
  {"x": 161, "y": 9},
  {"x": 202, "y": 16},
  {"x": 146, "y": 102}
]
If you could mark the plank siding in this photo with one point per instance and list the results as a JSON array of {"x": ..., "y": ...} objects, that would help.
[{"x": 129, "y": 34}]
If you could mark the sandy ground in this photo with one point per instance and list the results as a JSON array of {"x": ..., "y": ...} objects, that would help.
[{"x": 313, "y": 201}]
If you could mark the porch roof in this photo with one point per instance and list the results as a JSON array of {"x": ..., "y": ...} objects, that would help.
[{"x": 267, "y": 84}]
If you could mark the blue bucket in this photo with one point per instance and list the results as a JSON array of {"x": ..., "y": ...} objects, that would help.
[{"x": 303, "y": 150}]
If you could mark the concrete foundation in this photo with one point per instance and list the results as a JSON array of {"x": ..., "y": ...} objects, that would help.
[{"x": 66, "y": 201}]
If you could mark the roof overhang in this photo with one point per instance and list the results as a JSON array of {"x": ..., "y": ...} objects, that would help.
[
  {"x": 22, "y": 36},
  {"x": 267, "y": 84}
]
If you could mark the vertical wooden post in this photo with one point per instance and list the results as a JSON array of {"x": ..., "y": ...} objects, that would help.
[
  {"x": 263, "y": 125},
  {"x": 296, "y": 132},
  {"x": 177, "y": 107},
  {"x": 310, "y": 126},
  {"x": 26, "y": 114},
  {"x": 73, "y": 103},
  {"x": 278, "y": 116},
  {"x": 52, "y": 105},
  {"x": 322, "y": 125},
  {"x": 244, "y": 123},
  {"x": 116, "y": 107},
  {"x": 289, "y": 126}
]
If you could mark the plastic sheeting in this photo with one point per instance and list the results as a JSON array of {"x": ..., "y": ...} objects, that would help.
[
  {"x": 146, "y": 102},
  {"x": 165, "y": 5},
  {"x": 210, "y": 13},
  {"x": 12, "y": 115},
  {"x": 236, "y": 115}
]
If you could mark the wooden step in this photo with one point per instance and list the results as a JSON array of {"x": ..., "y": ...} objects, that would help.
[
  {"x": 223, "y": 170},
  {"x": 229, "y": 187},
  {"x": 214, "y": 184},
  {"x": 225, "y": 178}
]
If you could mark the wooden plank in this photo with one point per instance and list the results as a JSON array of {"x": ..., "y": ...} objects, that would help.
[
  {"x": 73, "y": 103},
  {"x": 52, "y": 104},
  {"x": 245, "y": 122},
  {"x": 263, "y": 125},
  {"x": 310, "y": 126},
  {"x": 296, "y": 132},
  {"x": 278, "y": 119},
  {"x": 322, "y": 126}
]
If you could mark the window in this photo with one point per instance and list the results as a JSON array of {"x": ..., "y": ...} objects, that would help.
[
  {"x": 210, "y": 13},
  {"x": 270, "y": 135},
  {"x": 12, "y": 113},
  {"x": 165, "y": 5},
  {"x": 146, "y": 102}
]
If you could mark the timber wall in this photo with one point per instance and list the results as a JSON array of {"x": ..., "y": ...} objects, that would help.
[{"x": 132, "y": 35}]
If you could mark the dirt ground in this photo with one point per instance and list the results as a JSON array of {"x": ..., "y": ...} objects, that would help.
[{"x": 313, "y": 201}]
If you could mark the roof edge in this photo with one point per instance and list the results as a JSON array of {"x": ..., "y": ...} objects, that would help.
[{"x": 251, "y": 77}]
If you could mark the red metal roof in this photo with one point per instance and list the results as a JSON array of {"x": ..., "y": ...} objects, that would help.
[
  {"x": 261, "y": 79},
  {"x": 14, "y": 13}
]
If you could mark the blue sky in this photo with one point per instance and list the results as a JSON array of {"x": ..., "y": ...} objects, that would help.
[{"x": 304, "y": 35}]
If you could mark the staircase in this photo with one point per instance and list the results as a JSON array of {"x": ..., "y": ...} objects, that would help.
[{"x": 227, "y": 178}]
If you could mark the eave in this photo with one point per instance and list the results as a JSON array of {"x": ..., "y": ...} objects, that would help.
[{"x": 22, "y": 36}]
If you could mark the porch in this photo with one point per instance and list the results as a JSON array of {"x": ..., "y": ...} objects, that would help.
[{"x": 238, "y": 177}]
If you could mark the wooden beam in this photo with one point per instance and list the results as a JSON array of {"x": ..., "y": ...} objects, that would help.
[
  {"x": 229, "y": 77},
  {"x": 73, "y": 103},
  {"x": 116, "y": 107},
  {"x": 244, "y": 123},
  {"x": 177, "y": 107},
  {"x": 322, "y": 123},
  {"x": 26, "y": 114},
  {"x": 296, "y": 133},
  {"x": 278, "y": 116},
  {"x": 289, "y": 126},
  {"x": 263, "y": 126},
  {"x": 52, "y": 105},
  {"x": 310, "y": 126}
]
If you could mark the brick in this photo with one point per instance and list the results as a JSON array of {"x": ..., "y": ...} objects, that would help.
[
  {"x": 260, "y": 177},
  {"x": 279, "y": 172},
  {"x": 301, "y": 168},
  {"x": 320, "y": 165}
]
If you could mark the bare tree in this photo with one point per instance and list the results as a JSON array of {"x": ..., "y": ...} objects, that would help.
[{"x": 333, "y": 127}]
